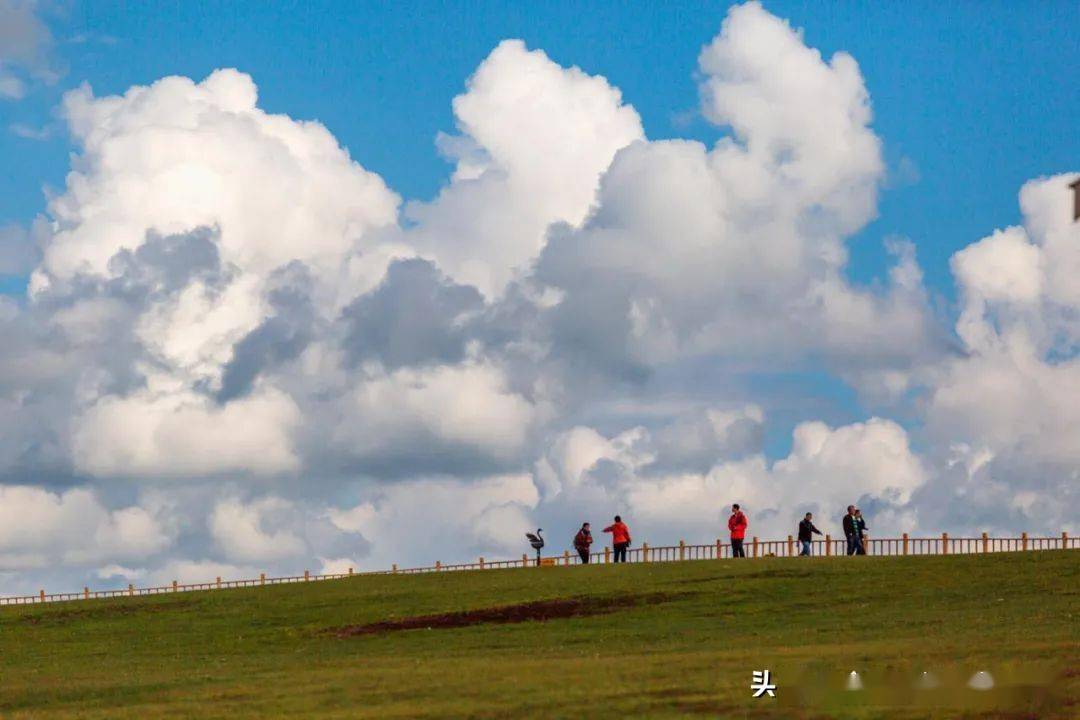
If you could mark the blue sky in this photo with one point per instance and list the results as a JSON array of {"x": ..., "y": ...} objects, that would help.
[{"x": 970, "y": 99}]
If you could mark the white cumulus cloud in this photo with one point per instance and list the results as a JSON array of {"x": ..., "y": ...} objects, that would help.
[
  {"x": 39, "y": 528},
  {"x": 582, "y": 322}
]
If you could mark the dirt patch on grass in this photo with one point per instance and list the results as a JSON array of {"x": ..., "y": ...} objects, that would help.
[
  {"x": 539, "y": 610},
  {"x": 698, "y": 581},
  {"x": 688, "y": 701},
  {"x": 772, "y": 573},
  {"x": 705, "y": 707}
]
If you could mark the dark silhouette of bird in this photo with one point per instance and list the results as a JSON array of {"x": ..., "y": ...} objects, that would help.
[{"x": 537, "y": 540}]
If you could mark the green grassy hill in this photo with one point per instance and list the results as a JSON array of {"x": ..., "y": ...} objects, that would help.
[{"x": 655, "y": 641}]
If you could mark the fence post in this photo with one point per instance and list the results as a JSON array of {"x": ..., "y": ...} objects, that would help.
[
  {"x": 790, "y": 546},
  {"x": 905, "y": 538},
  {"x": 566, "y": 557},
  {"x": 481, "y": 563},
  {"x": 828, "y": 544},
  {"x": 986, "y": 543},
  {"x": 719, "y": 549},
  {"x": 607, "y": 554},
  {"x": 350, "y": 571},
  {"x": 86, "y": 593},
  {"x": 131, "y": 589},
  {"x": 1064, "y": 540},
  {"x": 524, "y": 560},
  {"x": 644, "y": 552},
  {"x": 1023, "y": 540},
  {"x": 755, "y": 546},
  {"x": 262, "y": 578},
  {"x": 682, "y": 550},
  {"x": 42, "y": 595},
  {"x": 944, "y": 543},
  {"x": 438, "y": 566},
  {"x": 393, "y": 568}
]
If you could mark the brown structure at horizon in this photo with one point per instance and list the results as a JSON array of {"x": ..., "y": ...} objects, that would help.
[{"x": 1075, "y": 185}]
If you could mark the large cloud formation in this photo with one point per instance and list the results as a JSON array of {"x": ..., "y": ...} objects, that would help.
[{"x": 240, "y": 350}]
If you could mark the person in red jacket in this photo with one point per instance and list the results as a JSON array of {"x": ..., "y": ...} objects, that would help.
[
  {"x": 737, "y": 525},
  {"x": 582, "y": 541},
  {"x": 620, "y": 538}
]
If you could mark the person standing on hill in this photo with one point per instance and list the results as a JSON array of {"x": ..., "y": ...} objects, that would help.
[
  {"x": 860, "y": 532},
  {"x": 620, "y": 538},
  {"x": 737, "y": 525},
  {"x": 851, "y": 531},
  {"x": 582, "y": 541},
  {"x": 806, "y": 534}
]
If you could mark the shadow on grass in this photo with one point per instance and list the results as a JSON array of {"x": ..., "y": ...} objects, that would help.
[
  {"x": 539, "y": 610},
  {"x": 69, "y": 614}
]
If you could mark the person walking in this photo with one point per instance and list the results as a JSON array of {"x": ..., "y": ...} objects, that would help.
[
  {"x": 737, "y": 525},
  {"x": 860, "y": 532},
  {"x": 582, "y": 541},
  {"x": 806, "y": 531},
  {"x": 620, "y": 538},
  {"x": 851, "y": 530}
]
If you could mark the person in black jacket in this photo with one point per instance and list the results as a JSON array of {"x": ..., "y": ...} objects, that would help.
[
  {"x": 851, "y": 531},
  {"x": 806, "y": 531},
  {"x": 860, "y": 532}
]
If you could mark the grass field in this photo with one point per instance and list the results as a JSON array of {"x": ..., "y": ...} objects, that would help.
[{"x": 682, "y": 643}]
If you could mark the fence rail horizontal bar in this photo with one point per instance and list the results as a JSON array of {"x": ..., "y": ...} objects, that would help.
[{"x": 754, "y": 548}]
